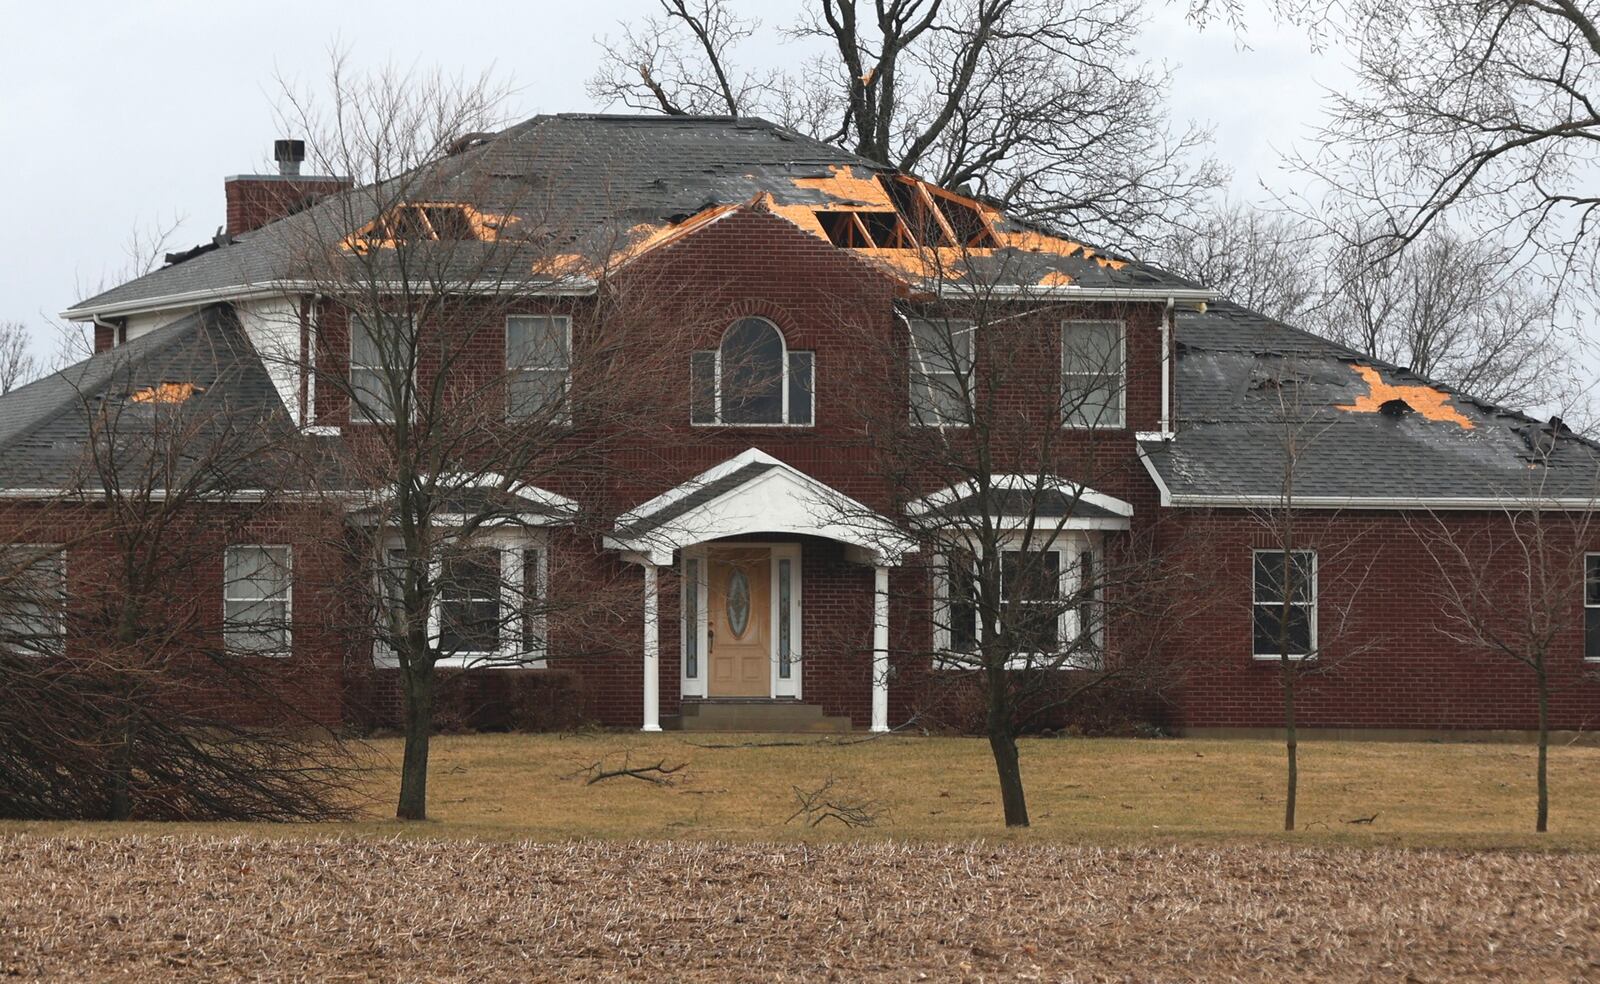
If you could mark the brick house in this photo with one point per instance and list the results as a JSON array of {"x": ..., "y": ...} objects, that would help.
[{"x": 776, "y": 552}]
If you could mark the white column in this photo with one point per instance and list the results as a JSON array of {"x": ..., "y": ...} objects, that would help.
[
  {"x": 652, "y": 651},
  {"x": 880, "y": 649}
]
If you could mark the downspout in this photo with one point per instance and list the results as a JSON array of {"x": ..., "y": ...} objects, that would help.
[
  {"x": 115, "y": 329},
  {"x": 1166, "y": 369}
]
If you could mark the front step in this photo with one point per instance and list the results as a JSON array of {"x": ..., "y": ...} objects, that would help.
[{"x": 755, "y": 714}]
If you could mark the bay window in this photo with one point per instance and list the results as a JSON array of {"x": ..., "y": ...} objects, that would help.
[
  {"x": 1050, "y": 604},
  {"x": 488, "y": 604}
]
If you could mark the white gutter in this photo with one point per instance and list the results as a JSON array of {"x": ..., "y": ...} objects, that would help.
[
  {"x": 1453, "y": 503},
  {"x": 1166, "y": 368},
  {"x": 576, "y": 288},
  {"x": 1193, "y": 295}
]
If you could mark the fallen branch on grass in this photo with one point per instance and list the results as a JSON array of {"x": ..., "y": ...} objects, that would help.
[
  {"x": 659, "y": 773},
  {"x": 1363, "y": 819},
  {"x": 829, "y": 802}
]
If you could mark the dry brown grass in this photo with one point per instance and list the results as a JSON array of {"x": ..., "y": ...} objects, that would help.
[
  {"x": 1108, "y": 791},
  {"x": 146, "y": 908}
]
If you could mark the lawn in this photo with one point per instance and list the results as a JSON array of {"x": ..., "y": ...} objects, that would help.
[
  {"x": 1147, "y": 860},
  {"x": 1107, "y": 791}
]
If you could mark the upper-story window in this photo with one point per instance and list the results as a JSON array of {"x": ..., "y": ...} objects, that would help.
[
  {"x": 538, "y": 362},
  {"x": 379, "y": 347},
  {"x": 1093, "y": 374},
  {"x": 941, "y": 373},
  {"x": 752, "y": 377},
  {"x": 1591, "y": 606}
]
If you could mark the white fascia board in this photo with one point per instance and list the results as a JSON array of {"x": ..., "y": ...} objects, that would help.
[
  {"x": 578, "y": 287},
  {"x": 1062, "y": 292},
  {"x": 1155, "y": 475},
  {"x": 1026, "y": 483},
  {"x": 1453, "y": 503},
  {"x": 695, "y": 484}
]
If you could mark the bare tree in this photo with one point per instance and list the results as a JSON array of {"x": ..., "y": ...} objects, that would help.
[
  {"x": 1511, "y": 587},
  {"x": 17, "y": 364},
  {"x": 1454, "y": 309},
  {"x": 1268, "y": 261},
  {"x": 486, "y": 373},
  {"x": 1039, "y": 106},
  {"x": 130, "y": 691},
  {"x": 1042, "y": 602},
  {"x": 1306, "y": 584}
]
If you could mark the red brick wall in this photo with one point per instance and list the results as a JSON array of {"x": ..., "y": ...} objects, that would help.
[{"x": 1389, "y": 666}]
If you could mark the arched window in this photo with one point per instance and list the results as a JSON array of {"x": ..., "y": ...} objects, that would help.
[{"x": 751, "y": 378}]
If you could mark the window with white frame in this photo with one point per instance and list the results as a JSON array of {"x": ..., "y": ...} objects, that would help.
[
  {"x": 752, "y": 378},
  {"x": 256, "y": 592},
  {"x": 538, "y": 363},
  {"x": 377, "y": 345},
  {"x": 1093, "y": 374},
  {"x": 1591, "y": 607},
  {"x": 1284, "y": 597},
  {"x": 488, "y": 604},
  {"x": 1050, "y": 601},
  {"x": 941, "y": 373},
  {"x": 33, "y": 595}
]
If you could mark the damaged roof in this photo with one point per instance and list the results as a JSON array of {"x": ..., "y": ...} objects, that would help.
[
  {"x": 582, "y": 190},
  {"x": 201, "y": 365},
  {"x": 1369, "y": 432}
]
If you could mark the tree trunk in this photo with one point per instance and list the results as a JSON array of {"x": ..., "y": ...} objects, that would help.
[
  {"x": 1003, "y": 743},
  {"x": 1542, "y": 822},
  {"x": 419, "y": 731},
  {"x": 1291, "y": 746},
  {"x": 120, "y": 799}
]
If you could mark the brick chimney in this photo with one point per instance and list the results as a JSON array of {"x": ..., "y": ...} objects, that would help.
[{"x": 256, "y": 199}]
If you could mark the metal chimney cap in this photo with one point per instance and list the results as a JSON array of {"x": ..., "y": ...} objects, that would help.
[{"x": 289, "y": 154}]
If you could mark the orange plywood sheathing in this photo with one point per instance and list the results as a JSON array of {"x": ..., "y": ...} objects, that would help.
[
  {"x": 1055, "y": 278},
  {"x": 1431, "y": 403},
  {"x": 843, "y": 186},
  {"x": 166, "y": 393}
]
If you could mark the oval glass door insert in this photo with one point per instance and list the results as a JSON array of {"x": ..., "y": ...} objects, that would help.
[{"x": 738, "y": 602}]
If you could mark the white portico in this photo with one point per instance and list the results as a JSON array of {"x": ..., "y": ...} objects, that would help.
[{"x": 732, "y": 530}]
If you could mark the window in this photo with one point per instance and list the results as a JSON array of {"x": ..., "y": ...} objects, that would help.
[
  {"x": 1273, "y": 568},
  {"x": 1591, "y": 606},
  {"x": 1092, "y": 374},
  {"x": 33, "y": 595},
  {"x": 488, "y": 604},
  {"x": 941, "y": 373},
  {"x": 752, "y": 378},
  {"x": 469, "y": 602},
  {"x": 1030, "y": 594},
  {"x": 1050, "y": 603},
  {"x": 372, "y": 373},
  {"x": 539, "y": 363},
  {"x": 255, "y": 600}
]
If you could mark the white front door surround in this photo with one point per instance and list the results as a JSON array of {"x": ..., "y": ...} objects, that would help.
[
  {"x": 733, "y": 504},
  {"x": 784, "y": 608}
]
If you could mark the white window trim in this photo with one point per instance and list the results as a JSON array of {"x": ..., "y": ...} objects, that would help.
[
  {"x": 1313, "y": 604},
  {"x": 1121, "y": 421},
  {"x": 1587, "y": 606},
  {"x": 43, "y": 550},
  {"x": 514, "y": 653},
  {"x": 355, "y": 414},
  {"x": 1066, "y": 545},
  {"x": 918, "y": 367},
  {"x": 288, "y": 599},
  {"x": 566, "y": 379},
  {"x": 716, "y": 382}
]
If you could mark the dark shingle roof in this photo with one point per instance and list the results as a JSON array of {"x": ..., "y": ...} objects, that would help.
[
  {"x": 45, "y": 426},
  {"x": 1242, "y": 377},
  {"x": 579, "y": 180}
]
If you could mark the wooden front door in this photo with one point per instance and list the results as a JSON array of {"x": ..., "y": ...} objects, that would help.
[{"x": 739, "y": 621}]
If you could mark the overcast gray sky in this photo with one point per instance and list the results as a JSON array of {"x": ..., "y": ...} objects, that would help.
[{"x": 120, "y": 116}]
